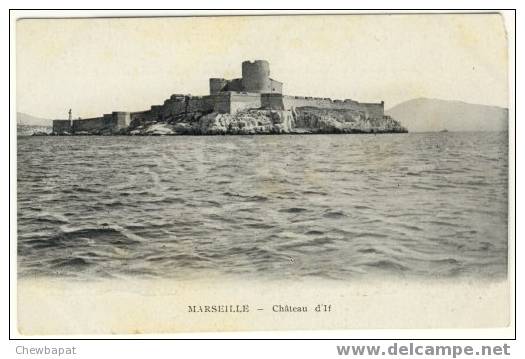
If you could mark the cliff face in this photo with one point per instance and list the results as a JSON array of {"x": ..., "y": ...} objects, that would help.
[
  {"x": 260, "y": 121},
  {"x": 315, "y": 120},
  {"x": 249, "y": 122}
]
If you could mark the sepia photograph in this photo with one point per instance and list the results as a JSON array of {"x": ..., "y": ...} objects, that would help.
[{"x": 240, "y": 173}]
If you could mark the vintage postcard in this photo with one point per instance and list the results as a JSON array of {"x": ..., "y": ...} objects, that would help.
[{"x": 256, "y": 173}]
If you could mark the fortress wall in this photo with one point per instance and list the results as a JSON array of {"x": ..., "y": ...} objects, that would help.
[
  {"x": 121, "y": 119},
  {"x": 199, "y": 104},
  {"x": 174, "y": 106},
  {"x": 234, "y": 85},
  {"x": 113, "y": 121},
  {"x": 217, "y": 85},
  {"x": 209, "y": 102},
  {"x": 276, "y": 86},
  {"x": 351, "y": 103},
  {"x": 272, "y": 101},
  {"x": 300, "y": 101},
  {"x": 231, "y": 102},
  {"x": 91, "y": 124},
  {"x": 221, "y": 102},
  {"x": 156, "y": 112},
  {"x": 370, "y": 109},
  {"x": 281, "y": 102},
  {"x": 242, "y": 101},
  {"x": 376, "y": 110},
  {"x": 60, "y": 126},
  {"x": 141, "y": 115}
]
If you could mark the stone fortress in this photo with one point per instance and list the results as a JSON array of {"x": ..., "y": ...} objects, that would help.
[{"x": 255, "y": 90}]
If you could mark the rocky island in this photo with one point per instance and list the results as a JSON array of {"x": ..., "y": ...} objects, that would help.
[{"x": 252, "y": 104}]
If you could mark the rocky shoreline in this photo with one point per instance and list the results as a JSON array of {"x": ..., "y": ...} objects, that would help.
[{"x": 303, "y": 120}]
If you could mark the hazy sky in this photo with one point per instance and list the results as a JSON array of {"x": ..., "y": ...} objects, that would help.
[{"x": 95, "y": 66}]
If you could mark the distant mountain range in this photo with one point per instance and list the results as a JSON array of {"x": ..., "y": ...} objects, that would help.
[
  {"x": 26, "y": 125},
  {"x": 29, "y": 120},
  {"x": 425, "y": 114}
]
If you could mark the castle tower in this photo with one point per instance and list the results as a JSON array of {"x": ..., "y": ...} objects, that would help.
[
  {"x": 217, "y": 85},
  {"x": 256, "y": 76}
]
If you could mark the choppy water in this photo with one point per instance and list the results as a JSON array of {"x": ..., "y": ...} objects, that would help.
[{"x": 328, "y": 206}]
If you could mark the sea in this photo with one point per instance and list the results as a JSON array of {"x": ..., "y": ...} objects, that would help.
[{"x": 341, "y": 207}]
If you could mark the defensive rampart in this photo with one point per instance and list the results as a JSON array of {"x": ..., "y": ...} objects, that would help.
[
  {"x": 234, "y": 101},
  {"x": 283, "y": 102},
  {"x": 110, "y": 123},
  {"x": 61, "y": 126}
]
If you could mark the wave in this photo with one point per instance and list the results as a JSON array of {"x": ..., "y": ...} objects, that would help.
[
  {"x": 85, "y": 236},
  {"x": 293, "y": 210},
  {"x": 248, "y": 198},
  {"x": 71, "y": 262},
  {"x": 334, "y": 214},
  {"x": 386, "y": 264}
]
